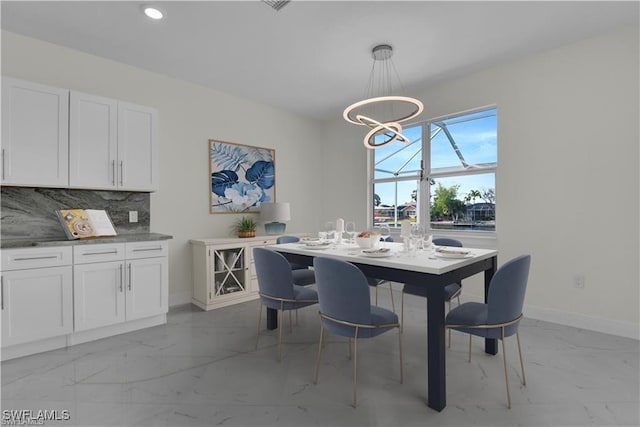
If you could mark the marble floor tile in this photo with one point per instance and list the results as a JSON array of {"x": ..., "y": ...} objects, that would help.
[{"x": 203, "y": 369}]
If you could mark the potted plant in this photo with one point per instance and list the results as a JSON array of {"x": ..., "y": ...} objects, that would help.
[{"x": 246, "y": 226}]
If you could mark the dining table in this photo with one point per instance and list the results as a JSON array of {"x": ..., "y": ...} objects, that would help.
[{"x": 424, "y": 273}]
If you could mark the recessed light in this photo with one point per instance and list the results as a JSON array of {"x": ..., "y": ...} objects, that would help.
[{"x": 153, "y": 13}]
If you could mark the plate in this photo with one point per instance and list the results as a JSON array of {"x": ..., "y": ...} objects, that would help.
[
  {"x": 317, "y": 244},
  {"x": 310, "y": 239},
  {"x": 318, "y": 247},
  {"x": 377, "y": 253},
  {"x": 453, "y": 255}
]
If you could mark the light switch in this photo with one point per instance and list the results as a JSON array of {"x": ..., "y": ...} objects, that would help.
[{"x": 133, "y": 216}]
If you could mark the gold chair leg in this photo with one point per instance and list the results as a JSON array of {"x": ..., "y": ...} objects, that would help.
[
  {"x": 402, "y": 311},
  {"x": 506, "y": 376},
  {"x": 355, "y": 366},
  {"x": 376, "y": 295},
  {"x": 458, "y": 300},
  {"x": 349, "y": 343},
  {"x": 259, "y": 317},
  {"x": 315, "y": 380},
  {"x": 470, "y": 348},
  {"x": 524, "y": 381},
  {"x": 400, "y": 348},
  {"x": 393, "y": 305}
]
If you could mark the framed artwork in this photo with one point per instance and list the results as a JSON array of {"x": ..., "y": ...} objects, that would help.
[{"x": 242, "y": 177}]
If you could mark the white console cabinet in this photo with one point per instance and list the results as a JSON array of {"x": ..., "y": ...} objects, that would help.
[
  {"x": 223, "y": 270},
  {"x": 36, "y": 294}
]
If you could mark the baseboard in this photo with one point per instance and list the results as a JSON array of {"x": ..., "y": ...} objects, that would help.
[
  {"x": 180, "y": 298},
  {"x": 577, "y": 320}
]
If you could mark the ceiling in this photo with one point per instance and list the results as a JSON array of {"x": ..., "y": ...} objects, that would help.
[{"x": 313, "y": 57}]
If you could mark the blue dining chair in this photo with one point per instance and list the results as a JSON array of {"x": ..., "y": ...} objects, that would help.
[
  {"x": 346, "y": 310},
  {"x": 500, "y": 316},
  {"x": 302, "y": 275},
  {"x": 452, "y": 290},
  {"x": 277, "y": 290}
]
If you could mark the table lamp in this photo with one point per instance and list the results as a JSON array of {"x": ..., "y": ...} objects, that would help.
[{"x": 272, "y": 214}]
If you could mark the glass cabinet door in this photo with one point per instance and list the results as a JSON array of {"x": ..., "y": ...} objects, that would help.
[{"x": 229, "y": 271}]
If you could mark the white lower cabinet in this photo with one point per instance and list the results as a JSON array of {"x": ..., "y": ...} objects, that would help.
[
  {"x": 58, "y": 296},
  {"x": 110, "y": 288},
  {"x": 36, "y": 294}
]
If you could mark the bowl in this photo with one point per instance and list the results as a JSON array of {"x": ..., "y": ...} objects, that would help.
[{"x": 370, "y": 242}]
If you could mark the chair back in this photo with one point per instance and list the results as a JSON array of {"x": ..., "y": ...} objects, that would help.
[
  {"x": 506, "y": 292},
  {"x": 287, "y": 239},
  {"x": 274, "y": 273},
  {"x": 343, "y": 293},
  {"x": 444, "y": 241}
]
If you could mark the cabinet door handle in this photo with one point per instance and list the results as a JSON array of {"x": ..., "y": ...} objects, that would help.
[
  {"x": 2, "y": 292},
  {"x": 121, "y": 172},
  {"x": 113, "y": 169},
  {"x": 159, "y": 248},
  {"x": 121, "y": 279},
  {"x": 35, "y": 257},
  {"x": 129, "y": 276},
  {"x": 115, "y": 251}
]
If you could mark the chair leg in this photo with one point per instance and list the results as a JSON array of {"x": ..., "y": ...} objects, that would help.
[
  {"x": 349, "y": 348},
  {"x": 355, "y": 366},
  {"x": 400, "y": 348},
  {"x": 259, "y": 317},
  {"x": 315, "y": 380},
  {"x": 470, "y": 348},
  {"x": 524, "y": 381},
  {"x": 393, "y": 305},
  {"x": 506, "y": 375},
  {"x": 376, "y": 295}
]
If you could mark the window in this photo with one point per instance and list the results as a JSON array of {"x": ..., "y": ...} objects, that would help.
[{"x": 445, "y": 175}]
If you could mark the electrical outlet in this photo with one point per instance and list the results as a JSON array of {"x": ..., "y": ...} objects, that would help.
[
  {"x": 133, "y": 216},
  {"x": 578, "y": 281}
]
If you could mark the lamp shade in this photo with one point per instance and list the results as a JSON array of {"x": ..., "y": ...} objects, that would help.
[{"x": 274, "y": 212}]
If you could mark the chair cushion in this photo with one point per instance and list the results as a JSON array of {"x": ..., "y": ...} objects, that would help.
[
  {"x": 308, "y": 295},
  {"x": 474, "y": 314},
  {"x": 303, "y": 277},
  {"x": 379, "y": 316}
]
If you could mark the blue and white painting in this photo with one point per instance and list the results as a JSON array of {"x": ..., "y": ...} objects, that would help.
[{"x": 242, "y": 177}]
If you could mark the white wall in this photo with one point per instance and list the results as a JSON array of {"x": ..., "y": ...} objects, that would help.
[
  {"x": 567, "y": 182},
  {"x": 189, "y": 116}
]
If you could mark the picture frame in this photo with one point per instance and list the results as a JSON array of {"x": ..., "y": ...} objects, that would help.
[{"x": 241, "y": 177}]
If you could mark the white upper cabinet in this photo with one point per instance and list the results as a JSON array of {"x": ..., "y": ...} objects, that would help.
[
  {"x": 137, "y": 147},
  {"x": 35, "y": 134},
  {"x": 93, "y": 141},
  {"x": 55, "y": 138},
  {"x": 113, "y": 144}
]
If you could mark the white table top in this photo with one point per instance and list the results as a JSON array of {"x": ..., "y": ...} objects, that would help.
[{"x": 424, "y": 261}]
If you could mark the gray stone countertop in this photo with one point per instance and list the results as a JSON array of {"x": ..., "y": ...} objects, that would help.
[{"x": 122, "y": 238}]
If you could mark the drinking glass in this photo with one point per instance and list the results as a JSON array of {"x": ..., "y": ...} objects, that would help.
[
  {"x": 350, "y": 229},
  {"x": 330, "y": 228},
  {"x": 417, "y": 233},
  {"x": 385, "y": 232}
]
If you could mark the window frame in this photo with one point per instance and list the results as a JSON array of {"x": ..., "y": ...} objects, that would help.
[{"x": 424, "y": 177}]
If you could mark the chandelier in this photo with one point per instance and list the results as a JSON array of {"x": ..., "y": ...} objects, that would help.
[{"x": 382, "y": 111}]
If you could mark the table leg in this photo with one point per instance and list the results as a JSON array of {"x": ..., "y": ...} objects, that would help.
[
  {"x": 436, "y": 378},
  {"x": 272, "y": 318},
  {"x": 490, "y": 345}
]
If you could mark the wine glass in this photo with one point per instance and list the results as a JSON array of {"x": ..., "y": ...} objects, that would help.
[
  {"x": 350, "y": 229},
  {"x": 385, "y": 232},
  {"x": 417, "y": 234}
]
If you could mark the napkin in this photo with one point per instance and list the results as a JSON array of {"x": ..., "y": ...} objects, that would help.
[{"x": 451, "y": 250}]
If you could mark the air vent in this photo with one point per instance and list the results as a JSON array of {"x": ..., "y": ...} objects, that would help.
[{"x": 276, "y": 5}]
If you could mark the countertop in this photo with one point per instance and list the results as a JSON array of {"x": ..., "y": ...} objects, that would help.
[{"x": 123, "y": 238}]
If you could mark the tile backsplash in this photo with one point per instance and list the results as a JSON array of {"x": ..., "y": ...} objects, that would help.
[{"x": 29, "y": 213}]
